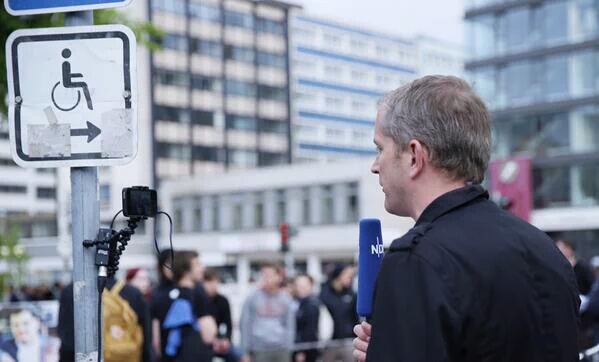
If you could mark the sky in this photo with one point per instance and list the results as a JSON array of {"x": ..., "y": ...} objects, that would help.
[{"x": 441, "y": 19}]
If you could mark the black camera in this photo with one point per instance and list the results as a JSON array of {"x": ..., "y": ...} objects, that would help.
[{"x": 140, "y": 202}]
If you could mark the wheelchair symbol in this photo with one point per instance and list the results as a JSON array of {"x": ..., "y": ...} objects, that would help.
[{"x": 68, "y": 83}]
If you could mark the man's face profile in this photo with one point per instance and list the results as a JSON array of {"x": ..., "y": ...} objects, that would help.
[
  {"x": 392, "y": 167},
  {"x": 24, "y": 326}
]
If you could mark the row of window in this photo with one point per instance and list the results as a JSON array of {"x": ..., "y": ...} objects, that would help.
[
  {"x": 560, "y": 76},
  {"x": 216, "y": 49},
  {"x": 232, "y": 87},
  {"x": 352, "y": 74},
  {"x": 41, "y": 192},
  {"x": 369, "y": 46},
  {"x": 213, "y": 13},
  {"x": 532, "y": 26},
  {"x": 567, "y": 185},
  {"x": 317, "y": 205},
  {"x": 236, "y": 157},
  {"x": 212, "y": 119},
  {"x": 575, "y": 131}
]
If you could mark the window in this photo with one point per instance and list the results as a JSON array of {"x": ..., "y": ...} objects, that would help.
[
  {"x": 272, "y": 93},
  {"x": 327, "y": 200},
  {"x": 216, "y": 213},
  {"x": 178, "y": 216},
  {"x": 259, "y": 210},
  {"x": 204, "y": 11},
  {"x": 237, "y": 19},
  {"x": 358, "y": 45},
  {"x": 358, "y": 106},
  {"x": 359, "y": 76},
  {"x": 272, "y": 158},
  {"x": 333, "y": 71},
  {"x": 105, "y": 194},
  {"x": 281, "y": 206},
  {"x": 332, "y": 40},
  {"x": 171, "y": 77},
  {"x": 207, "y": 47},
  {"x": 7, "y": 162},
  {"x": 175, "y": 42},
  {"x": 240, "y": 122},
  {"x": 174, "y": 151},
  {"x": 333, "y": 102},
  {"x": 353, "y": 207},
  {"x": 272, "y": 60},
  {"x": 202, "y": 118},
  {"x": 198, "y": 215},
  {"x": 240, "y": 88},
  {"x": 207, "y": 83},
  {"x": 270, "y": 26},
  {"x": 243, "y": 158},
  {"x": 236, "y": 212},
  {"x": 173, "y": 6},
  {"x": 306, "y": 212},
  {"x": 171, "y": 114},
  {"x": 239, "y": 54},
  {"x": 273, "y": 126},
  {"x": 13, "y": 189},
  {"x": 205, "y": 153},
  {"x": 46, "y": 193},
  {"x": 334, "y": 133},
  {"x": 382, "y": 51}
]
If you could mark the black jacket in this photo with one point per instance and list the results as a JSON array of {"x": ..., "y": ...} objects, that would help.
[
  {"x": 221, "y": 312},
  {"x": 473, "y": 283},
  {"x": 306, "y": 320},
  {"x": 342, "y": 307}
]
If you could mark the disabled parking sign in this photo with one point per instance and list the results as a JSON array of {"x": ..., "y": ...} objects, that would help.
[{"x": 72, "y": 96}]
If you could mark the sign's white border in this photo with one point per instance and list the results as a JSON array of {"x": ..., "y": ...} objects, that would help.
[
  {"x": 62, "y": 9},
  {"x": 11, "y": 94}
]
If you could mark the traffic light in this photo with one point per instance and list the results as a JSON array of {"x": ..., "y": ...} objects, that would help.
[{"x": 284, "y": 233}]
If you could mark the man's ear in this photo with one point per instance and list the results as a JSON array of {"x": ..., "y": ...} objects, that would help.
[{"x": 418, "y": 157}]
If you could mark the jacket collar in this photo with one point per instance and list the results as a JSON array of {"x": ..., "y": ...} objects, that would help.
[{"x": 451, "y": 201}]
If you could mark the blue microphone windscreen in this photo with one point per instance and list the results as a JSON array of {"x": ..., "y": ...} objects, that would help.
[{"x": 369, "y": 261}]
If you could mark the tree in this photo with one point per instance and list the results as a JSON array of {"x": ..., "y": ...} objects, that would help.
[
  {"x": 146, "y": 33},
  {"x": 13, "y": 256}
]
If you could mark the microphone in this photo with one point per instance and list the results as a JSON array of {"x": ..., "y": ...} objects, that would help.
[{"x": 371, "y": 253}]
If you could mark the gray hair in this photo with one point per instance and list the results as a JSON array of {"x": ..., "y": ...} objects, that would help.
[{"x": 445, "y": 114}]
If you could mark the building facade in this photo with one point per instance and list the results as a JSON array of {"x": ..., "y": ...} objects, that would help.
[
  {"x": 339, "y": 72},
  {"x": 536, "y": 64},
  {"x": 220, "y": 87}
]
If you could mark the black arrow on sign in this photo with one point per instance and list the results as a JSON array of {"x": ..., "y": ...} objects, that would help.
[{"x": 91, "y": 132}]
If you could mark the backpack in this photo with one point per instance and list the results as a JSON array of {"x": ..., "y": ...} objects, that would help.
[{"x": 123, "y": 336}]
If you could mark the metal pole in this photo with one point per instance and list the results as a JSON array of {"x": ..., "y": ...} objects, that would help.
[{"x": 85, "y": 222}]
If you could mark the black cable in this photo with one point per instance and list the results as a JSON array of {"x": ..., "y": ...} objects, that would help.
[
  {"x": 170, "y": 220},
  {"x": 114, "y": 218},
  {"x": 100, "y": 324}
]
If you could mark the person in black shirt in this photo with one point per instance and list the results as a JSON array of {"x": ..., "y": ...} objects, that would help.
[
  {"x": 339, "y": 297},
  {"x": 306, "y": 317},
  {"x": 221, "y": 311},
  {"x": 66, "y": 323},
  {"x": 470, "y": 281},
  {"x": 584, "y": 275},
  {"x": 198, "y": 335}
]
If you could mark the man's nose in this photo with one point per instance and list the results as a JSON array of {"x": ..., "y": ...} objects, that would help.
[{"x": 375, "y": 166}]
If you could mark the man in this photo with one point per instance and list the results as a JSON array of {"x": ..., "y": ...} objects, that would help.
[
  {"x": 221, "y": 312},
  {"x": 268, "y": 320},
  {"x": 584, "y": 275},
  {"x": 183, "y": 330},
  {"x": 307, "y": 317},
  {"x": 339, "y": 297},
  {"x": 66, "y": 322},
  {"x": 470, "y": 282},
  {"x": 28, "y": 343}
]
